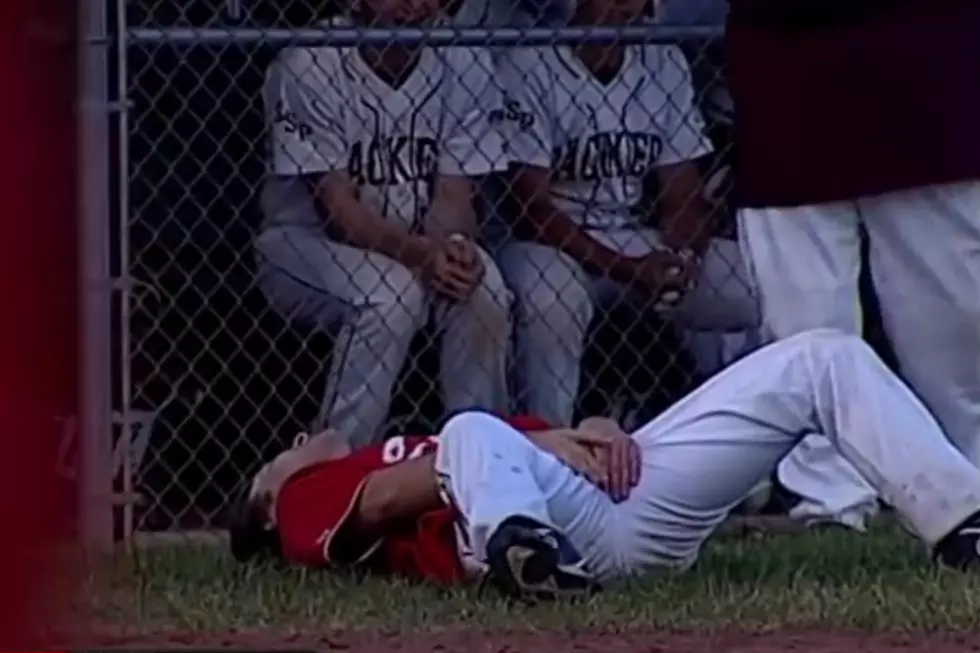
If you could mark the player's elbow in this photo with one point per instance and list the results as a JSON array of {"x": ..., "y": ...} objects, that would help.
[
  {"x": 376, "y": 505},
  {"x": 398, "y": 493}
]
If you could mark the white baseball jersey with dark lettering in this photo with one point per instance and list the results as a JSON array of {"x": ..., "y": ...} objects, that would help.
[
  {"x": 600, "y": 139},
  {"x": 328, "y": 110}
]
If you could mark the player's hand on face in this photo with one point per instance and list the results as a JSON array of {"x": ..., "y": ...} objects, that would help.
[
  {"x": 447, "y": 277},
  {"x": 616, "y": 452}
]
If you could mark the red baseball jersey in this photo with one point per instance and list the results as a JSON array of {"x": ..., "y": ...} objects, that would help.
[{"x": 315, "y": 503}]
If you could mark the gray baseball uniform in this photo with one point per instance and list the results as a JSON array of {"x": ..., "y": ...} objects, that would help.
[
  {"x": 701, "y": 457},
  {"x": 327, "y": 110},
  {"x": 601, "y": 140}
]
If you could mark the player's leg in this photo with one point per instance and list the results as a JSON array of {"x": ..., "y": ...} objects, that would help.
[
  {"x": 512, "y": 494},
  {"x": 805, "y": 263},
  {"x": 476, "y": 337},
  {"x": 926, "y": 270},
  {"x": 377, "y": 303},
  {"x": 553, "y": 310},
  {"x": 703, "y": 455}
]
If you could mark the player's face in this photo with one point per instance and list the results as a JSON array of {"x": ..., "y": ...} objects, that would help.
[
  {"x": 612, "y": 12},
  {"x": 398, "y": 13}
]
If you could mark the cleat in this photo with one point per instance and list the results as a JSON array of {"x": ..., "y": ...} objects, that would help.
[
  {"x": 961, "y": 548},
  {"x": 531, "y": 562}
]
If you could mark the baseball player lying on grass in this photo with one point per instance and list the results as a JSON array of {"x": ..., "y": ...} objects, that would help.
[{"x": 547, "y": 513}]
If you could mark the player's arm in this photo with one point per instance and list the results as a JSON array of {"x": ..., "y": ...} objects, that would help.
[
  {"x": 396, "y": 494},
  {"x": 311, "y": 95},
  {"x": 404, "y": 491},
  {"x": 452, "y": 209},
  {"x": 685, "y": 214},
  {"x": 531, "y": 141},
  {"x": 471, "y": 145}
]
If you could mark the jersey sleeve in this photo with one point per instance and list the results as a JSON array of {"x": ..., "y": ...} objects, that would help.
[
  {"x": 472, "y": 144},
  {"x": 682, "y": 121},
  {"x": 529, "y": 116},
  {"x": 313, "y": 508},
  {"x": 527, "y": 423},
  {"x": 305, "y": 112}
]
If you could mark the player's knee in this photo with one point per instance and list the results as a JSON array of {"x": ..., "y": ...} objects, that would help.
[
  {"x": 832, "y": 342},
  {"x": 492, "y": 302},
  {"x": 471, "y": 424},
  {"x": 397, "y": 302},
  {"x": 551, "y": 292},
  {"x": 556, "y": 312}
]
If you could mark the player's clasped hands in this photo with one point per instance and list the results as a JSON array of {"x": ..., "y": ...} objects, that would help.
[
  {"x": 599, "y": 450},
  {"x": 455, "y": 268},
  {"x": 667, "y": 276},
  {"x": 615, "y": 451}
]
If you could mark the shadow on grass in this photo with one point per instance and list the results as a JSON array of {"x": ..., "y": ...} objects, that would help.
[{"x": 883, "y": 581}]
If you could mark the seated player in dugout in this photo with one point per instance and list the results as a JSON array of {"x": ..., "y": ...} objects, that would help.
[
  {"x": 586, "y": 126},
  {"x": 544, "y": 513},
  {"x": 369, "y": 226}
]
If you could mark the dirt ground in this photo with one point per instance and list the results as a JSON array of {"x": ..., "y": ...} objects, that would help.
[{"x": 471, "y": 641}]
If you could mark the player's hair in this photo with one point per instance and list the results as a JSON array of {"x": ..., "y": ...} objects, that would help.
[{"x": 249, "y": 535}]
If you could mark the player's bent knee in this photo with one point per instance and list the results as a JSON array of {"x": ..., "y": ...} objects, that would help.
[
  {"x": 472, "y": 423},
  {"x": 831, "y": 341},
  {"x": 492, "y": 303},
  {"x": 545, "y": 282},
  {"x": 560, "y": 313},
  {"x": 399, "y": 300},
  {"x": 495, "y": 294}
]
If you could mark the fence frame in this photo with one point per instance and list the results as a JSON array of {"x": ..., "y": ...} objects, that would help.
[
  {"x": 105, "y": 459},
  {"x": 96, "y": 285}
]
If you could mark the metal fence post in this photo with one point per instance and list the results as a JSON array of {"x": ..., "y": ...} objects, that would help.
[{"x": 95, "y": 447}]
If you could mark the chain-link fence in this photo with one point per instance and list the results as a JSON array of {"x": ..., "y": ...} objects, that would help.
[{"x": 230, "y": 345}]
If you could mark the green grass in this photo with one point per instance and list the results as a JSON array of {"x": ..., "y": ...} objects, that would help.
[{"x": 827, "y": 580}]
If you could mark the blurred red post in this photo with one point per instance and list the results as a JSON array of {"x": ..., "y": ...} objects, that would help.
[{"x": 38, "y": 310}]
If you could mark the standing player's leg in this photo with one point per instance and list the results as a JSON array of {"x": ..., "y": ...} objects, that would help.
[
  {"x": 805, "y": 263},
  {"x": 926, "y": 270},
  {"x": 476, "y": 336},
  {"x": 704, "y": 455}
]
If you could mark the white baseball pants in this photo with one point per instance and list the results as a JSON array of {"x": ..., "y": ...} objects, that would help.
[
  {"x": 376, "y": 306},
  {"x": 701, "y": 458},
  {"x": 925, "y": 265},
  {"x": 556, "y": 301}
]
